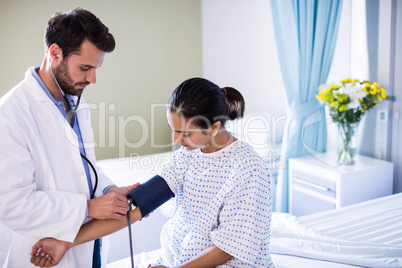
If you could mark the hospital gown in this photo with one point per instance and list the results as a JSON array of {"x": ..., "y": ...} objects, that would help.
[{"x": 222, "y": 198}]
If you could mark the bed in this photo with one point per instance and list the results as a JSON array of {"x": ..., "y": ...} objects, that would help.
[{"x": 367, "y": 234}]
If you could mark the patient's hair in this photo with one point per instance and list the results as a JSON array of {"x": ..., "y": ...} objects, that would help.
[
  {"x": 69, "y": 30},
  {"x": 206, "y": 103}
]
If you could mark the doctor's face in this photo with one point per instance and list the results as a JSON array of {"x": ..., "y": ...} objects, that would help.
[{"x": 79, "y": 70}]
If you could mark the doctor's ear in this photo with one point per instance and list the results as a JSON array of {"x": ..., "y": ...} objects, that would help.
[{"x": 55, "y": 52}]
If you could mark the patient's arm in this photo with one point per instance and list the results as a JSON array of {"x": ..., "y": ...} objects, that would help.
[
  {"x": 48, "y": 252},
  {"x": 209, "y": 257}
]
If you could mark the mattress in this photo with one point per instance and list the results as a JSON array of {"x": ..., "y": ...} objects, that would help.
[{"x": 367, "y": 234}]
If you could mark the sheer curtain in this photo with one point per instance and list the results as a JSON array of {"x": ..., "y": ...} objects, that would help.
[{"x": 306, "y": 32}]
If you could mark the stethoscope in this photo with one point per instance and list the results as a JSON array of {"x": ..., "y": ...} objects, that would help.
[{"x": 72, "y": 121}]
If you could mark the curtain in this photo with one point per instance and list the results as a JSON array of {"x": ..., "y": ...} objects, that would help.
[{"x": 306, "y": 32}]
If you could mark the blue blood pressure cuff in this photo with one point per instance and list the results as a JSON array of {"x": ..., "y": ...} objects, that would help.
[{"x": 150, "y": 195}]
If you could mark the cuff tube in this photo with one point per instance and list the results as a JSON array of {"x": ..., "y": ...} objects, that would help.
[{"x": 151, "y": 195}]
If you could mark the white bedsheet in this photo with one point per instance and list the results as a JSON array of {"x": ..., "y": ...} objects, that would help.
[
  {"x": 289, "y": 261},
  {"x": 367, "y": 234}
]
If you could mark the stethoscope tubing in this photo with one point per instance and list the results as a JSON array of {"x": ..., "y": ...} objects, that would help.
[{"x": 72, "y": 121}]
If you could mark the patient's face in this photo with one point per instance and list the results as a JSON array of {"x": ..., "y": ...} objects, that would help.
[{"x": 188, "y": 134}]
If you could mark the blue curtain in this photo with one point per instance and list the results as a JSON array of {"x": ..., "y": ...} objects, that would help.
[{"x": 306, "y": 32}]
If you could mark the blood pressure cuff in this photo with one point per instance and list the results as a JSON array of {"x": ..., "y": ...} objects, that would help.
[{"x": 150, "y": 195}]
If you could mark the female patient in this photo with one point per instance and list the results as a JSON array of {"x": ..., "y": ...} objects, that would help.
[{"x": 222, "y": 205}]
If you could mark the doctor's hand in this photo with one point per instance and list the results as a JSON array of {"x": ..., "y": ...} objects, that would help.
[
  {"x": 48, "y": 252},
  {"x": 112, "y": 205},
  {"x": 108, "y": 206}
]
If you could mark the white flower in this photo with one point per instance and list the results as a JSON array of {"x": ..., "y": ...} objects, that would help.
[
  {"x": 353, "y": 104},
  {"x": 355, "y": 92}
]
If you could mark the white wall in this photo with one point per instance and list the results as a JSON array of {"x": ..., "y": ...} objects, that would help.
[{"x": 239, "y": 50}]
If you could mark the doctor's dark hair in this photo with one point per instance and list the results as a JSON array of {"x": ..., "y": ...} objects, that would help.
[
  {"x": 68, "y": 31},
  {"x": 206, "y": 103}
]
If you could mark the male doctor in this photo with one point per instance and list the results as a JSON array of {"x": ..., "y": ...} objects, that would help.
[{"x": 46, "y": 185}]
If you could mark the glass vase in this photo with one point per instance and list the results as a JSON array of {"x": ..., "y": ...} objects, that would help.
[{"x": 347, "y": 143}]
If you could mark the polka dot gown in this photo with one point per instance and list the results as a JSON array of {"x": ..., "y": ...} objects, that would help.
[{"x": 222, "y": 198}]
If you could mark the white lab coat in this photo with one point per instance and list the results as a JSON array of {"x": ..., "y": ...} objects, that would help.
[{"x": 44, "y": 188}]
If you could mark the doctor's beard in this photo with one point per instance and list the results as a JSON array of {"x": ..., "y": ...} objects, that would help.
[{"x": 65, "y": 81}]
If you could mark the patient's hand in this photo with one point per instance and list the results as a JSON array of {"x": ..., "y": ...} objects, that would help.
[
  {"x": 48, "y": 252},
  {"x": 123, "y": 190}
]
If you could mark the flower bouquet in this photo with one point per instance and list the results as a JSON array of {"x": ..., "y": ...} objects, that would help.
[{"x": 348, "y": 102}]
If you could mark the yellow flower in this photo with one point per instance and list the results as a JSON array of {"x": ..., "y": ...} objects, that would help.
[
  {"x": 322, "y": 93},
  {"x": 334, "y": 104},
  {"x": 376, "y": 103},
  {"x": 326, "y": 98},
  {"x": 383, "y": 94},
  {"x": 373, "y": 91},
  {"x": 379, "y": 98},
  {"x": 362, "y": 110},
  {"x": 375, "y": 85},
  {"x": 347, "y": 80},
  {"x": 330, "y": 88},
  {"x": 342, "y": 97},
  {"x": 364, "y": 106},
  {"x": 343, "y": 107}
]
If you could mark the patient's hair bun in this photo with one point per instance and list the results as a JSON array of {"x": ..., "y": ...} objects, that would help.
[{"x": 206, "y": 103}]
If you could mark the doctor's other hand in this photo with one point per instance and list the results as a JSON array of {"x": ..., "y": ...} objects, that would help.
[{"x": 48, "y": 252}]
